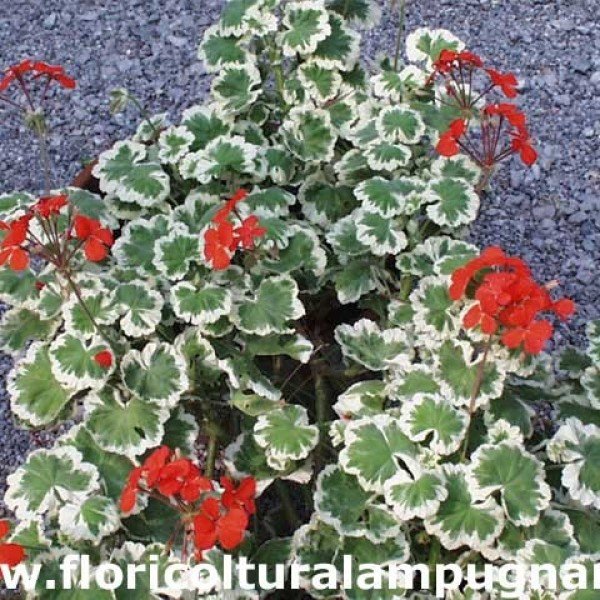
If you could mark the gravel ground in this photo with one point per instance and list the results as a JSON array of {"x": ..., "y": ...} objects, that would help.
[{"x": 549, "y": 214}]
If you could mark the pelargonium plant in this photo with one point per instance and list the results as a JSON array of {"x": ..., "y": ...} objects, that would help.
[{"x": 271, "y": 336}]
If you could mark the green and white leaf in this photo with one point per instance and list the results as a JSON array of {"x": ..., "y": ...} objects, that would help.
[
  {"x": 149, "y": 127},
  {"x": 324, "y": 203},
  {"x": 126, "y": 172},
  {"x": 425, "y": 45},
  {"x": 20, "y": 326},
  {"x": 308, "y": 134},
  {"x": 437, "y": 256},
  {"x": 36, "y": 396},
  {"x": 206, "y": 123},
  {"x": 456, "y": 167},
  {"x": 362, "y": 399},
  {"x": 15, "y": 204},
  {"x": 432, "y": 419},
  {"x": 355, "y": 279},
  {"x": 48, "y": 480},
  {"x": 157, "y": 373},
  {"x": 98, "y": 304},
  {"x": 341, "y": 502},
  {"x": 516, "y": 475},
  {"x": 135, "y": 247},
  {"x": 340, "y": 49},
  {"x": 217, "y": 50},
  {"x": 417, "y": 495},
  {"x": 285, "y": 435},
  {"x": 303, "y": 253},
  {"x": 306, "y": 24},
  {"x": 73, "y": 364},
  {"x": 390, "y": 198},
  {"x": 274, "y": 305},
  {"x": 343, "y": 239},
  {"x": 462, "y": 520},
  {"x": 127, "y": 426},
  {"x": 376, "y": 349},
  {"x": 139, "y": 307},
  {"x": 373, "y": 447},
  {"x": 415, "y": 379},
  {"x": 223, "y": 157},
  {"x": 174, "y": 143},
  {"x": 269, "y": 202},
  {"x": 322, "y": 84},
  {"x": 457, "y": 371},
  {"x": 400, "y": 124},
  {"x": 385, "y": 156},
  {"x": 578, "y": 446},
  {"x": 363, "y": 13},
  {"x": 455, "y": 202},
  {"x": 93, "y": 519},
  {"x": 176, "y": 252},
  {"x": 383, "y": 235},
  {"x": 435, "y": 316},
  {"x": 295, "y": 346},
  {"x": 200, "y": 305},
  {"x": 236, "y": 87}
]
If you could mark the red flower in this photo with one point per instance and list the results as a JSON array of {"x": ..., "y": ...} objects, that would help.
[
  {"x": 507, "y": 296},
  {"x": 507, "y": 82},
  {"x": 104, "y": 359},
  {"x": 173, "y": 476},
  {"x": 224, "y": 212},
  {"x": 210, "y": 526},
  {"x": 98, "y": 239},
  {"x": 248, "y": 231},
  {"x": 448, "y": 142},
  {"x": 153, "y": 465},
  {"x": 50, "y": 205},
  {"x": 10, "y": 554},
  {"x": 564, "y": 308},
  {"x": 533, "y": 337},
  {"x": 508, "y": 111},
  {"x": 521, "y": 143},
  {"x": 54, "y": 73},
  {"x": 240, "y": 497},
  {"x": 130, "y": 491},
  {"x": 194, "y": 485},
  {"x": 39, "y": 69},
  {"x": 219, "y": 244},
  {"x": 10, "y": 248}
]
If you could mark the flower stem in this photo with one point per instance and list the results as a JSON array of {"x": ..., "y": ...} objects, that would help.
[
  {"x": 475, "y": 393},
  {"x": 400, "y": 32},
  {"x": 45, "y": 156},
  {"x": 211, "y": 453},
  {"x": 286, "y": 504}
]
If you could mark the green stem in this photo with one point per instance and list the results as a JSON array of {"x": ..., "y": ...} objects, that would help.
[
  {"x": 45, "y": 156},
  {"x": 475, "y": 393},
  {"x": 145, "y": 115},
  {"x": 434, "y": 556},
  {"x": 286, "y": 503},
  {"x": 211, "y": 453},
  {"x": 400, "y": 33}
]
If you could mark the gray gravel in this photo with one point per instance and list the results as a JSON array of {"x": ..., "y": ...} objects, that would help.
[{"x": 549, "y": 214}]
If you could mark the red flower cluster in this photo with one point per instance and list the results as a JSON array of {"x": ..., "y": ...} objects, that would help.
[
  {"x": 164, "y": 472},
  {"x": 168, "y": 477},
  {"x": 95, "y": 239},
  {"x": 508, "y": 299},
  {"x": 458, "y": 70},
  {"x": 10, "y": 554},
  {"x": 223, "y": 239},
  {"x": 38, "y": 70},
  {"x": 225, "y": 521}
]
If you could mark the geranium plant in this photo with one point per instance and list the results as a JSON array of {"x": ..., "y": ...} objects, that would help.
[{"x": 275, "y": 341}]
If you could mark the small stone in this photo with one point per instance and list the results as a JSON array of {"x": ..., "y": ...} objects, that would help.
[
  {"x": 595, "y": 78},
  {"x": 50, "y": 21},
  {"x": 544, "y": 212},
  {"x": 580, "y": 65}
]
